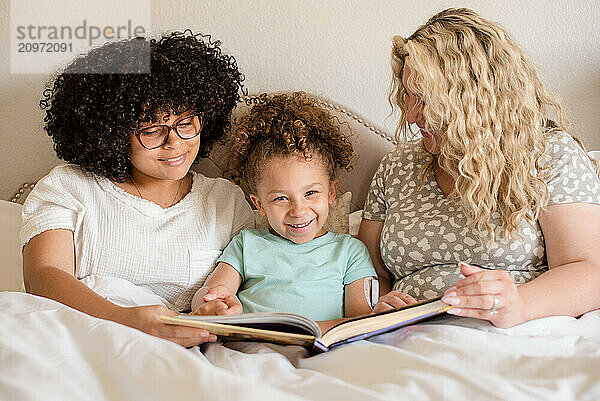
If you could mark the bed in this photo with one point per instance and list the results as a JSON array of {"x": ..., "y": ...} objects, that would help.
[{"x": 51, "y": 352}]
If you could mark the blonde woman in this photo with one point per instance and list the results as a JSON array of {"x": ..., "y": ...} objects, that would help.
[{"x": 496, "y": 208}]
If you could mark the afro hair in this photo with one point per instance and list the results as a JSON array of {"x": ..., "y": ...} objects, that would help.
[{"x": 91, "y": 110}]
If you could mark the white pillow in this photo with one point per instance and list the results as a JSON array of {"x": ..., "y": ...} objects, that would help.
[
  {"x": 11, "y": 272},
  {"x": 355, "y": 219}
]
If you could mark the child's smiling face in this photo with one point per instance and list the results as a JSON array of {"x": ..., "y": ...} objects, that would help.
[{"x": 295, "y": 195}]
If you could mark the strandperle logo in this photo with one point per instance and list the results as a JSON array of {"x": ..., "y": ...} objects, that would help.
[
  {"x": 84, "y": 31},
  {"x": 47, "y": 35}
]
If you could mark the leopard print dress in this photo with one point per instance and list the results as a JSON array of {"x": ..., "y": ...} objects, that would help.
[{"x": 425, "y": 233}]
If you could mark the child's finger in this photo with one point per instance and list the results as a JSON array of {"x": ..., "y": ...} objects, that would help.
[
  {"x": 405, "y": 297},
  {"x": 382, "y": 307},
  {"x": 388, "y": 302},
  {"x": 209, "y": 297},
  {"x": 233, "y": 310},
  {"x": 395, "y": 301},
  {"x": 220, "y": 291},
  {"x": 213, "y": 297},
  {"x": 215, "y": 307},
  {"x": 230, "y": 301}
]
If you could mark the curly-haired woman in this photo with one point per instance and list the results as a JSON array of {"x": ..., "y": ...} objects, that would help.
[
  {"x": 493, "y": 183},
  {"x": 127, "y": 217}
]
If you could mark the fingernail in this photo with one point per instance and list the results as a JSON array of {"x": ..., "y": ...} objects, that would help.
[
  {"x": 209, "y": 297},
  {"x": 454, "y": 311},
  {"x": 451, "y": 299}
]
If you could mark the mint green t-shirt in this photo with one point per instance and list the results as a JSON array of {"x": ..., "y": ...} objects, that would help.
[{"x": 281, "y": 276}]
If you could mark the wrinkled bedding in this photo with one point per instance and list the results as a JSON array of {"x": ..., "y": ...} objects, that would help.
[{"x": 51, "y": 352}]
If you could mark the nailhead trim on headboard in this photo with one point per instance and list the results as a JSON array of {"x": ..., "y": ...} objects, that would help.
[
  {"x": 248, "y": 100},
  {"x": 21, "y": 191}
]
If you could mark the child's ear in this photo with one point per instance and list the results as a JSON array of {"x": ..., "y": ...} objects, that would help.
[
  {"x": 332, "y": 190},
  {"x": 256, "y": 202}
]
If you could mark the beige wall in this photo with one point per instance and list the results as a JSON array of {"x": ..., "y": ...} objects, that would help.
[{"x": 340, "y": 51}]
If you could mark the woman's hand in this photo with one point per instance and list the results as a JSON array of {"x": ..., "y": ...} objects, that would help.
[
  {"x": 393, "y": 300},
  {"x": 486, "y": 294},
  {"x": 147, "y": 319},
  {"x": 219, "y": 300}
]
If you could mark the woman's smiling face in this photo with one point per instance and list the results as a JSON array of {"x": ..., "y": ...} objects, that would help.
[{"x": 171, "y": 161}]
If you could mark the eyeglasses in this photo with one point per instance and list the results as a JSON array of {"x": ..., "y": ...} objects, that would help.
[{"x": 155, "y": 136}]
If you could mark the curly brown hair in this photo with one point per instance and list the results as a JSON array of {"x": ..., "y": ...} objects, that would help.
[
  {"x": 284, "y": 125},
  {"x": 90, "y": 113}
]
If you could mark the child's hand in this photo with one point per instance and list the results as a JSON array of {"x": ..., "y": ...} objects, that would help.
[
  {"x": 393, "y": 300},
  {"x": 219, "y": 300}
]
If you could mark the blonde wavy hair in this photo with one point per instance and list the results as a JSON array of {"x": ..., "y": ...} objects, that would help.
[{"x": 486, "y": 103}]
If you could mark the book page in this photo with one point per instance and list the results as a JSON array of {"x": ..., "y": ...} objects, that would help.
[
  {"x": 276, "y": 321},
  {"x": 240, "y": 333},
  {"x": 384, "y": 321}
]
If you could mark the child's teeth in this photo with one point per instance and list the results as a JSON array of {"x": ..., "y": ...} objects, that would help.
[{"x": 300, "y": 225}]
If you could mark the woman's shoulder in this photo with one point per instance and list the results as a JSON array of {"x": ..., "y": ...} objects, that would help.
[
  {"x": 215, "y": 190},
  {"x": 405, "y": 151},
  {"x": 561, "y": 141},
  {"x": 572, "y": 176},
  {"x": 221, "y": 183},
  {"x": 563, "y": 149},
  {"x": 67, "y": 177},
  {"x": 65, "y": 188},
  {"x": 69, "y": 172},
  {"x": 407, "y": 155}
]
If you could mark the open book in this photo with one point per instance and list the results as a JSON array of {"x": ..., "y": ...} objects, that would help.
[{"x": 293, "y": 329}]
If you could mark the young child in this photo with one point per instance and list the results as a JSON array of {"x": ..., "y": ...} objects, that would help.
[{"x": 289, "y": 150}]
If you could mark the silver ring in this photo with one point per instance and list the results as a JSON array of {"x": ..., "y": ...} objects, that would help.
[{"x": 494, "y": 309}]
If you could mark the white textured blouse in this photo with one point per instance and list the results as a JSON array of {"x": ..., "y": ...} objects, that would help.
[{"x": 167, "y": 251}]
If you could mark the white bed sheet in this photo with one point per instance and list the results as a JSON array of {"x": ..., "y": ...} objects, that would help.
[{"x": 51, "y": 352}]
